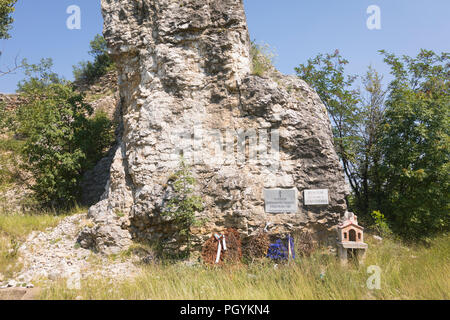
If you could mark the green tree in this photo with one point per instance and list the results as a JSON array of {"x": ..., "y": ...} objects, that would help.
[
  {"x": 367, "y": 161},
  {"x": 356, "y": 116},
  {"x": 61, "y": 140},
  {"x": 183, "y": 203},
  {"x": 88, "y": 71},
  {"x": 98, "y": 46},
  {"x": 38, "y": 77},
  {"x": 415, "y": 144},
  {"x": 6, "y": 9},
  {"x": 96, "y": 138},
  {"x": 326, "y": 74}
]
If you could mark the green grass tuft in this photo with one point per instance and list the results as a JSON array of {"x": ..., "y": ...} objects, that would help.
[{"x": 262, "y": 58}]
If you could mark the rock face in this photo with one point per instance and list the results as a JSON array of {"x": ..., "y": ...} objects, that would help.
[{"x": 186, "y": 87}]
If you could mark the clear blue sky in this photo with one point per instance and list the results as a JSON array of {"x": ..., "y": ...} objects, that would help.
[{"x": 296, "y": 29}]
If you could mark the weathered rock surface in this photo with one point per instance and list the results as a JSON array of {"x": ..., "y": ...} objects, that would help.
[
  {"x": 102, "y": 95},
  {"x": 95, "y": 181},
  {"x": 185, "y": 83},
  {"x": 11, "y": 101}
]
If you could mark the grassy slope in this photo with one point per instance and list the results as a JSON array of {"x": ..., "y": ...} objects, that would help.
[
  {"x": 14, "y": 229},
  {"x": 407, "y": 273}
]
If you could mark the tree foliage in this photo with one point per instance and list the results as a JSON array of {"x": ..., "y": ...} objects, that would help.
[
  {"x": 88, "y": 71},
  {"x": 325, "y": 73},
  {"x": 6, "y": 9},
  {"x": 98, "y": 46},
  {"x": 416, "y": 145},
  {"x": 354, "y": 115},
  {"x": 38, "y": 77},
  {"x": 62, "y": 140},
  {"x": 365, "y": 167},
  {"x": 394, "y": 144}
]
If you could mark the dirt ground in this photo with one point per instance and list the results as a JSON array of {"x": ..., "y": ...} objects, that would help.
[{"x": 19, "y": 294}]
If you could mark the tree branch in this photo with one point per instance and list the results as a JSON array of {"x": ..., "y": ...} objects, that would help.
[{"x": 13, "y": 69}]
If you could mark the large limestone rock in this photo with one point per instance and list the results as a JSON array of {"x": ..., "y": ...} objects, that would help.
[{"x": 186, "y": 87}]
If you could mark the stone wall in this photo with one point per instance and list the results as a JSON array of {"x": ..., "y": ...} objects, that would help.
[
  {"x": 184, "y": 68},
  {"x": 11, "y": 101}
]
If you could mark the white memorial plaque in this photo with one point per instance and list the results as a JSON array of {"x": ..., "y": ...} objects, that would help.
[
  {"x": 281, "y": 200},
  {"x": 316, "y": 197}
]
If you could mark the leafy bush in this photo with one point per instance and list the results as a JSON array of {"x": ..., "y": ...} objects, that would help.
[
  {"x": 9, "y": 148},
  {"x": 61, "y": 141},
  {"x": 381, "y": 224},
  {"x": 98, "y": 137},
  {"x": 98, "y": 46},
  {"x": 88, "y": 71},
  {"x": 38, "y": 77}
]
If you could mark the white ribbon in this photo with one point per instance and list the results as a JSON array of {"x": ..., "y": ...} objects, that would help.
[
  {"x": 289, "y": 247},
  {"x": 268, "y": 224},
  {"x": 219, "y": 247}
]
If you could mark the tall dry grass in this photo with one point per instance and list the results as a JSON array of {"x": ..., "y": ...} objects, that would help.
[{"x": 416, "y": 272}]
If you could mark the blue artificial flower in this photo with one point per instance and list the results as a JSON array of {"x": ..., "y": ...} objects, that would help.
[{"x": 280, "y": 251}]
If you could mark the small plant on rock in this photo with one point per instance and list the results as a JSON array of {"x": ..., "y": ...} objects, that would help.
[{"x": 262, "y": 58}]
